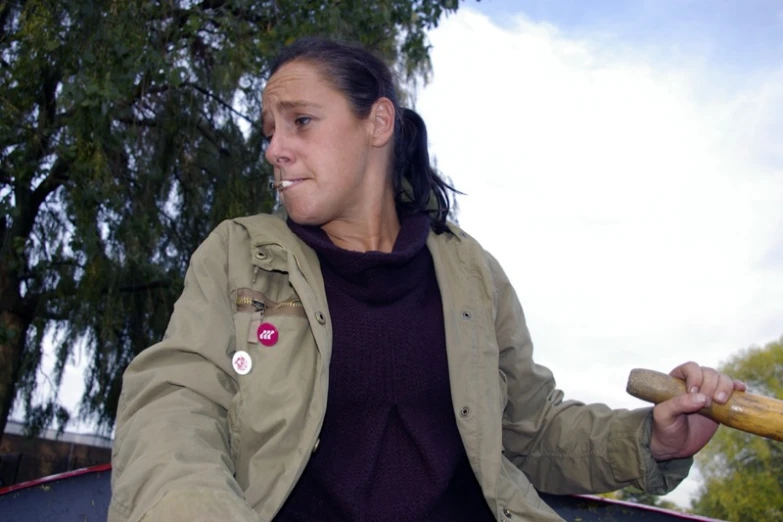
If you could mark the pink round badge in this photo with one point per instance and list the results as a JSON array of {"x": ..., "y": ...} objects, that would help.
[
  {"x": 242, "y": 362},
  {"x": 267, "y": 334}
]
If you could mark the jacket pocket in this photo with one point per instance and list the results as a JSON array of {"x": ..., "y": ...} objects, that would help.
[
  {"x": 261, "y": 307},
  {"x": 253, "y": 301}
]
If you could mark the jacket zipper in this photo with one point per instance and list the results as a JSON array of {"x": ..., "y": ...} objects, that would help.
[
  {"x": 259, "y": 305},
  {"x": 262, "y": 307},
  {"x": 293, "y": 303}
]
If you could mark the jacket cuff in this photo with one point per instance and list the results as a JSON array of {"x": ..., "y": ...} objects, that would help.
[{"x": 631, "y": 460}]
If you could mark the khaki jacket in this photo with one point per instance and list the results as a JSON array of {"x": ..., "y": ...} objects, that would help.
[{"x": 197, "y": 441}]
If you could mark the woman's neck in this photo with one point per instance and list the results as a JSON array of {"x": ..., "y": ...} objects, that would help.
[{"x": 374, "y": 230}]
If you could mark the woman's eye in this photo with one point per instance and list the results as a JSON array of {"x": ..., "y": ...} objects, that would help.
[{"x": 302, "y": 121}]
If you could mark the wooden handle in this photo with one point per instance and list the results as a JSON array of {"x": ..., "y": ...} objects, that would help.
[{"x": 744, "y": 411}]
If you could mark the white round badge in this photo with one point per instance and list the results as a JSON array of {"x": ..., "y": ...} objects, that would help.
[{"x": 242, "y": 362}]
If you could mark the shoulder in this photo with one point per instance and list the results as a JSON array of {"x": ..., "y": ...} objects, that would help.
[
  {"x": 244, "y": 230},
  {"x": 465, "y": 250},
  {"x": 266, "y": 229},
  {"x": 258, "y": 223},
  {"x": 468, "y": 251},
  {"x": 460, "y": 240},
  {"x": 455, "y": 238},
  {"x": 235, "y": 238}
]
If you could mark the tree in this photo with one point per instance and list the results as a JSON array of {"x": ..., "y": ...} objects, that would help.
[
  {"x": 128, "y": 130},
  {"x": 742, "y": 478}
]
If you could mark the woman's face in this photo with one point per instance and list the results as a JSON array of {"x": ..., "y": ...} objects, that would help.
[{"x": 319, "y": 149}]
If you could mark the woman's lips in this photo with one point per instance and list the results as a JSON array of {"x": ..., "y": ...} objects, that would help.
[{"x": 286, "y": 183}]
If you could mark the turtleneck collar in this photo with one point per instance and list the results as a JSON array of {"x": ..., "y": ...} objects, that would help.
[{"x": 374, "y": 277}]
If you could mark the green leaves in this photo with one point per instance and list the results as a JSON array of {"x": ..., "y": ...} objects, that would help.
[
  {"x": 742, "y": 471},
  {"x": 631, "y": 494}
]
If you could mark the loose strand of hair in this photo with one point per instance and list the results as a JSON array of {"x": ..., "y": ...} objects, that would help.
[{"x": 413, "y": 164}]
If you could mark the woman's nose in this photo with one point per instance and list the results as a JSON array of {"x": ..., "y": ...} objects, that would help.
[{"x": 277, "y": 152}]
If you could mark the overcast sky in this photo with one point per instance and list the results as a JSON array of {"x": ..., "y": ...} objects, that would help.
[{"x": 621, "y": 160}]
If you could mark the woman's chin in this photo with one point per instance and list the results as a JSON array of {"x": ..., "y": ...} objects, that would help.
[{"x": 303, "y": 216}]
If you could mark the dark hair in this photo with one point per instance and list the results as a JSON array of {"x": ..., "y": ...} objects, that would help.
[{"x": 363, "y": 78}]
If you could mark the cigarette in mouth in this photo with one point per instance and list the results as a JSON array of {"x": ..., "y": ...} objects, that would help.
[{"x": 282, "y": 184}]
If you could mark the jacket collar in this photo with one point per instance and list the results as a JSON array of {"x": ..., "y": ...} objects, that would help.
[{"x": 271, "y": 241}]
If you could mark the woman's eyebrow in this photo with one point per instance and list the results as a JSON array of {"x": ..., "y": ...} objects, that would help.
[
  {"x": 291, "y": 104},
  {"x": 297, "y": 104}
]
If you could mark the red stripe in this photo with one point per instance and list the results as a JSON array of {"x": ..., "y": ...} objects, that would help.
[
  {"x": 645, "y": 507},
  {"x": 52, "y": 478}
]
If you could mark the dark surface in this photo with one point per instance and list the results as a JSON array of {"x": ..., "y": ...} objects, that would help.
[{"x": 84, "y": 497}]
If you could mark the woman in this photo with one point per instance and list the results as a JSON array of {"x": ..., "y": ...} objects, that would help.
[{"x": 364, "y": 359}]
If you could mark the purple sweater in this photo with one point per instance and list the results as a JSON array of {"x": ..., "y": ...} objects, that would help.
[{"x": 389, "y": 447}]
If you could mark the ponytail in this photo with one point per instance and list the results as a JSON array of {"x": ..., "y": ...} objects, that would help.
[{"x": 417, "y": 186}]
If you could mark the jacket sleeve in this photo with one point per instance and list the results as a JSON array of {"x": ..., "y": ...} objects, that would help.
[
  {"x": 567, "y": 447},
  {"x": 171, "y": 452}
]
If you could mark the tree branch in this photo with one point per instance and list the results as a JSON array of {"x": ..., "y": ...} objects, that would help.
[
  {"x": 222, "y": 102},
  {"x": 5, "y": 11},
  {"x": 141, "y": 122},
  {"x": 29, "y": 203},
  {"x": 214, "y": 5},
  {"x": 142, "y": 88},
  {"x": 58, "y": 175},
  {"x": 152, "y": 285},
  {"x": 208, "y": 135}
]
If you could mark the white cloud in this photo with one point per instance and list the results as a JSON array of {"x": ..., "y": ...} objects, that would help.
[{"x": 630, "y": 199}]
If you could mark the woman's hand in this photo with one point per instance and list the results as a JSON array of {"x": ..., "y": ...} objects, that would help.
[{"x": 678, "y": 430}]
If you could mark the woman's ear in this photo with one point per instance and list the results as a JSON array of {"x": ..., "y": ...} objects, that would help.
[{"x": 382, "y": 120}]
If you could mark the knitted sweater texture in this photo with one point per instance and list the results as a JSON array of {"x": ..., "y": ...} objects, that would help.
[{"x": 389, "y": 448}]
